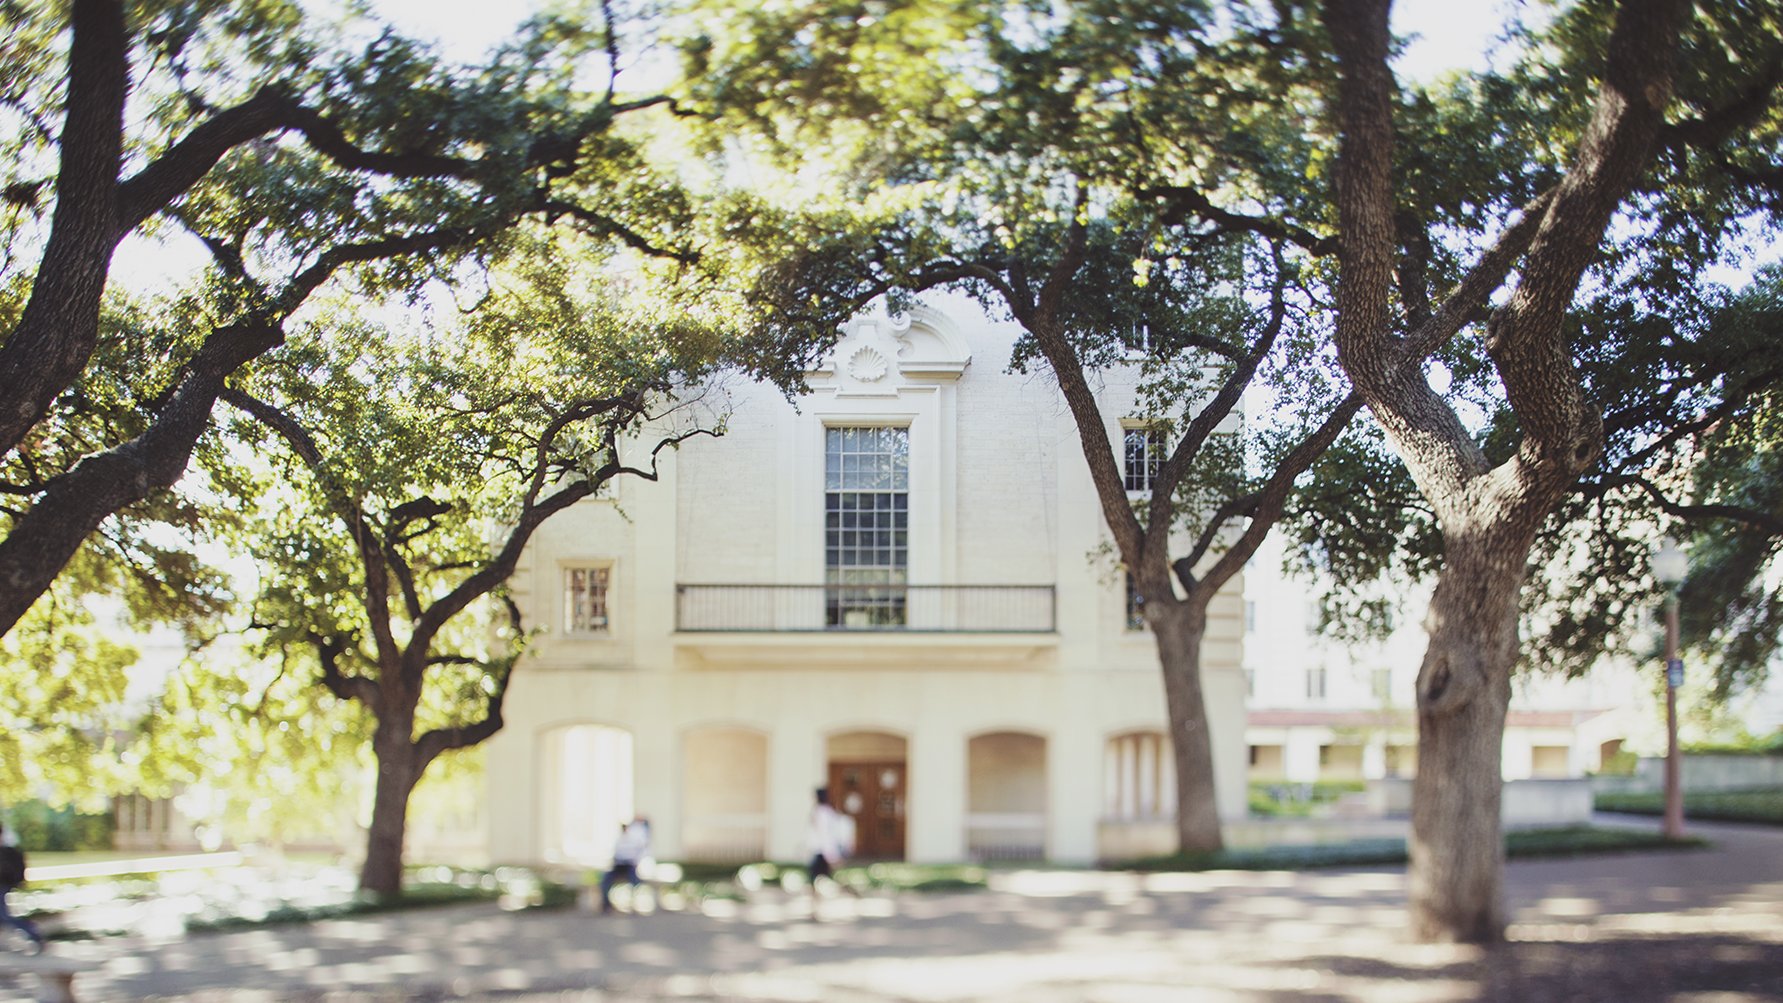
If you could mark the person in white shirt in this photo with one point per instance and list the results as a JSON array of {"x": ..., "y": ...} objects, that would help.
[
  {"x": 629, "y": 851},
  {"x": 828, "y": 839}
]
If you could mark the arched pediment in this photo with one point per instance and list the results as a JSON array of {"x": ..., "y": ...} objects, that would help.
[{"x": 880, "y": 352}]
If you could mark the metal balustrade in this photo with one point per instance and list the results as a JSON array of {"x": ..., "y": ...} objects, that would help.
[{"x": 964, "y": 609}]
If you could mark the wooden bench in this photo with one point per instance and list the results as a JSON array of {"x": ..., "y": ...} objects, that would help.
[{"x": 55, "y": 975}]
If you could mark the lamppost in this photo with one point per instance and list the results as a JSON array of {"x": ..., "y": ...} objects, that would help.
[{"x": 1670, "y": 564}]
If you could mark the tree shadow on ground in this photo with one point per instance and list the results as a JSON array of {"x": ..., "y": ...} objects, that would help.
[{"x": 1606, "y": 969}]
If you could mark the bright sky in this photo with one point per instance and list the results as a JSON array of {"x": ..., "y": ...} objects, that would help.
[{"x": 1450, "y": 34}]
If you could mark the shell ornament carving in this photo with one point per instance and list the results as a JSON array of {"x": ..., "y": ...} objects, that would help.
[{"x": 867, "y": 365}]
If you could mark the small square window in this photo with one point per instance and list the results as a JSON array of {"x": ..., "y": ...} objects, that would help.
[{"x": 585, "y": 600}]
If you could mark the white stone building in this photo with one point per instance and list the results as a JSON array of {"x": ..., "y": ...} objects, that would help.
[
  {"x": 890, "y": 589},
  {"x": 1319, "y": 710}
]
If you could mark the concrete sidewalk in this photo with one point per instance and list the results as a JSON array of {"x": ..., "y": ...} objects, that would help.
[{"x": 1695, "y": 926}]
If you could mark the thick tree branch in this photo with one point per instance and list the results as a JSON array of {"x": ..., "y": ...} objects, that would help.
[
  {"x": 74, "y": 503},
  {"x": 328, "y": 653},
  {"x": 1562, "y": 432},
  {"x": 1272, "y": 497},
  {"x": 1746, "y": 109},
  {"x": 59, "y": 326},
  {"x": 1468, "y": 300}
]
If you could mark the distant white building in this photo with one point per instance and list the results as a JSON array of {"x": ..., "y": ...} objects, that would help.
[
  {"x": 886, "y": 588},
  {"x": 1323, "y": 711}
]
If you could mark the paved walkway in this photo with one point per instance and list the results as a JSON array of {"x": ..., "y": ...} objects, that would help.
[{"x": 1705, "y": 927}]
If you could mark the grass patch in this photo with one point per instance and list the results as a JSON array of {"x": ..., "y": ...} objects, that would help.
[
  {"x": 884, "y": 876},
  {"x": 901, "y": 877},
  {"x": 1280, "y": 799},
  {"x": 1763, "y": 805},
  {"x": 1519, "y": 844},
  {"x": 221, "y": 900}
]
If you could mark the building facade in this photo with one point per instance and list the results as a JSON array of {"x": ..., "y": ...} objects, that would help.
[
  {"x": 896, "y": 587},
  {"x": 1320, "y": 710}
]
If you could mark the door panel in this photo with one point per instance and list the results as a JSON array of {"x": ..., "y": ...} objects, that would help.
[{"x": 873, "y": 795}]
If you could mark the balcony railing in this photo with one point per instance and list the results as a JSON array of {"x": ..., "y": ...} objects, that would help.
[{"x": 964, "y": 609}]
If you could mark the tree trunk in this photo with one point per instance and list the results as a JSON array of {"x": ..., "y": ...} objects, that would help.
[
  {"x": 1179, "y": 632},
  {"x": 398, "y": 772},
  {"x": 1464, "y": 690}
]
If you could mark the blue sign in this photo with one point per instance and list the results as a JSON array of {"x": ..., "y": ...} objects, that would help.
[{"x": 1674, "y": 672}]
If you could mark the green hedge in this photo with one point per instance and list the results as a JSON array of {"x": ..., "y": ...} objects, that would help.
[
  {"x": 1763, "y": 805},
  {"x": 41, "y": 828},
  {"x": 1519, "y": 843},
  {"x": 1279, "y": 798}
]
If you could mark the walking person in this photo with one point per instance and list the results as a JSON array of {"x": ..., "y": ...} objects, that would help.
[
  {"x": 831, "y": 839},
  {"x": 629, "y": 851},
  {"x": 12, "y": 875}
]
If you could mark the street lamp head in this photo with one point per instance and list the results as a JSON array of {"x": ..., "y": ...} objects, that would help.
[{"x": 1670, "y": 563}]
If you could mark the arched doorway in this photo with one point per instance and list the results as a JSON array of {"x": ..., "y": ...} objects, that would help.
[
  {"x": 724, "y": 795},
  {"x": 869, "y": 782},
  {"x": 585, "y": 792},
  {"x": 1006, "y": 796}
]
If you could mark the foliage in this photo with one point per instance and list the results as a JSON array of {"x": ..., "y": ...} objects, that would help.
[
  {"x": 301, "y": 158},
  {"x": 1674, "y": 362},
  {"x": 1744, "y": 744},
  {"x": 1755, "y": 805},
  {"x": 40, "y": 826},
  {"x": 66, "y": 682},
  {"x": 1272, "y": 799},
  {"x": 245, "y": 749},
  {"x": 1621, "y": 764}
]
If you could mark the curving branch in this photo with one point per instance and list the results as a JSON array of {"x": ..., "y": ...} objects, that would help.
[
  {"x": 340, "y": 255},
  {"x": 1756, "y": 518},
  {"x": 1182, "y": 202},
  {"x": 1468, "y": 300},
  {"x": 372, "y": 557},
  {"x": 606, "y": 226},
  {"x": 1744, "y": 110},
  {"x": 347, "y": 687}
]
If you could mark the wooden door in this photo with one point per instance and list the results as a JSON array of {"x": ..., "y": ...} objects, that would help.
[{"x": 873, "y": 795}]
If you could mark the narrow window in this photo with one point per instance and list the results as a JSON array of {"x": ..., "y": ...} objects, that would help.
[
  {"x": 866, "y": 526},
  {"x": 585, "y": 600},
  {"x": 1383, "y": 684},
  {"x": 1136, "y": 341},
  {"x": 1135, "y": 605},
  {"x": 1315, "y": 684},
  {"x": 1144, "y": 451}
]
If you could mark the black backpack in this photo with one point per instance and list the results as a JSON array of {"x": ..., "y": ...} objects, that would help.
[{"x": 12, "y": 866}]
